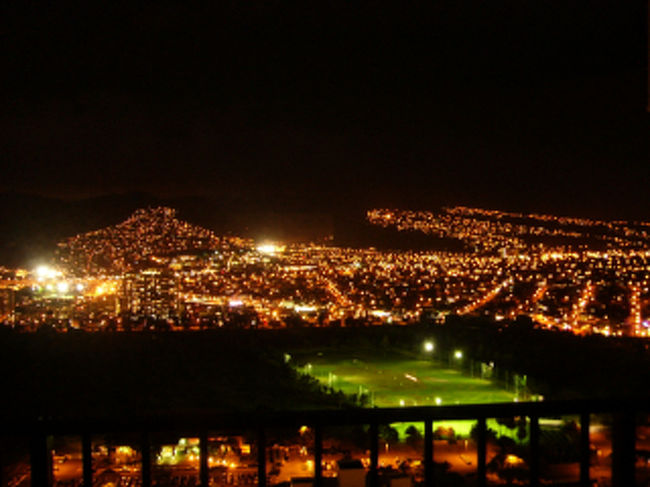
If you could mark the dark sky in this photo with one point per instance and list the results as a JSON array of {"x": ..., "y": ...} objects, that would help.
[{"x": 513, "y": 104}]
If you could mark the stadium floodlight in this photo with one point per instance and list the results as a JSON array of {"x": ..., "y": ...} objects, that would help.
[
  {"x": 270, "y": 248},
  {"x": 45, "y": 272}
]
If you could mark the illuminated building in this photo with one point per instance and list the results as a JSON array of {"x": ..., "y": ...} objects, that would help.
[{"x": 151, "y": 292}]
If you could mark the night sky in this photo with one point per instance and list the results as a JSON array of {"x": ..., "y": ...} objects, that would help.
[{"x": 513, "y": 104}]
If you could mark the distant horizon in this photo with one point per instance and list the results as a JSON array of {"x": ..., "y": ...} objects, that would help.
[
  {"x": 32, "y": 224},
  {"x": 317, "y": 206}
]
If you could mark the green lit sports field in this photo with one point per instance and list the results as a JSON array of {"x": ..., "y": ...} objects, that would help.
[{"x": 402, "y": 381}]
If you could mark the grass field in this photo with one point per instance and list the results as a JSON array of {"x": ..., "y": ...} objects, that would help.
[
  {"x": 403, "y": 381},
  {"x": 398, "y": 381}
]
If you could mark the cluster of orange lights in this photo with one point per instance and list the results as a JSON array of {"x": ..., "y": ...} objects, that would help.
[{"x": 500, "y": 274}]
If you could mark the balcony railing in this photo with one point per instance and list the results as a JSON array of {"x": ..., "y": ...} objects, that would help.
[{"x": 624, "y": 414}]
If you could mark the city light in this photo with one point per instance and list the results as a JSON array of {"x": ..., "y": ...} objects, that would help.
[
  {"x": 513, "y": 460},
  {"x": 305, "y": 308},
  {"x": 428, "y": 346},
  {"x": 46, "y": 272},
  {"x": 270, "y": 248},
  {"x": 501, "y": 274}
]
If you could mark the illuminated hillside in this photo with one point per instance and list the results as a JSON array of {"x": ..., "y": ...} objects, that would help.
[{"x": 136, "y": 242}]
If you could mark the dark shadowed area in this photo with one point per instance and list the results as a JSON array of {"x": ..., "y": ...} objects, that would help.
[{"x": 315, "y": 108}]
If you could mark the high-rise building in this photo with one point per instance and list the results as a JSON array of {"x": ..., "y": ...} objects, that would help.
[{"x": 150, "y": 293}]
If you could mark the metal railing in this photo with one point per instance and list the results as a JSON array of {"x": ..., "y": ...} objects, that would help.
[{"x": 624, "y": 413}]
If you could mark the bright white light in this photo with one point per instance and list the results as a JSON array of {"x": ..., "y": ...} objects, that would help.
[
  {"x": 269, "y": 248},
  {"x": 428, "y": 346},
  {"x": 438, "y": 401},
  {"x": 401, "y": 402},
  {"x": 42, "y": 271},
  {"x": 379, "y": 313},
  {"x": 235, "y": 303},
  {"x": 80, "y": 287},
  {"x": 45, "y": 272},
  {"x": 62, "y": 287},
  {"x": 305, "y": 309},
  {"x": 458, "y": 354}
]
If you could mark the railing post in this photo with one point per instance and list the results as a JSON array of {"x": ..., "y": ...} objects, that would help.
[
  {"x": 261, "y": 457},
  {"x": 534, "y": 451},
  {"x": 374, "y": 454},
  {"x": 41, "y": 460},
  {"x": 87, "y": 459},
  {"x": 428, "y": 452},
  {"x": 203, "y": 460},
  {"x": 585, "y": 450},
  {"x": 481, "y": 452},
  {"x": 623, "y": 449},
  {"x": 145, "y": 447},
  {"x": 318, "y": 455}
]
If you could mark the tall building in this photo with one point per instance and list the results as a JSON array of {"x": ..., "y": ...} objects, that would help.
[{"x": 150, "y": 293}]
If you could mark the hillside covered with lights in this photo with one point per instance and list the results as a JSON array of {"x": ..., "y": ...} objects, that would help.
[{"x": 136, "y": 242}]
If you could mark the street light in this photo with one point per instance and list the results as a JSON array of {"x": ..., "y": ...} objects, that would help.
[
  {"x": 428, "y": 346},
  {"x": 458, "y": 354}
]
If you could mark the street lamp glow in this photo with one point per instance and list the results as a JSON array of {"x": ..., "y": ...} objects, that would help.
[
  {"x": 428, "y": 346},
  {"x": 458, "y": 354}
]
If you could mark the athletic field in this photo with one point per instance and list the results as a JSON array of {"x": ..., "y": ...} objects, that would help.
[
  {"x": 398, "y": 381},
  {"x": 402, "y": 381}
]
